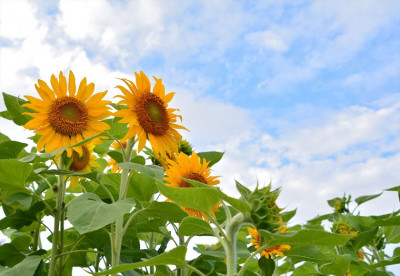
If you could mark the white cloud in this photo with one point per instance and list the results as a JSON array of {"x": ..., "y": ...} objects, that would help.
[
  {"x": 267, "y": 40},
  {"x": 17, "y": 20}
]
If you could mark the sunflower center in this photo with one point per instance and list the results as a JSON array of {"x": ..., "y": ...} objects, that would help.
[
  {"x": 192, "y": 176},
  {"x": 80, "y": 162},
  {"x": 68, "y": 116},
  {"x": 152, "y": 114}
]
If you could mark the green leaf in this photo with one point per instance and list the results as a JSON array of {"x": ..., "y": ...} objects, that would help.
[
  {"x": 391, "y": 221},
  {"x": 191, "y": 226},
  {"x": 27, "y": 267},
  {"x": 11, "y": 149},
  {"x": 239, "y": 204},
  {"x": 219, "y": 252},
  {"x": 165, "y": 210},
  {"x": 21, "y": 218},
  {"x": 174, "y": 257},
  {"x": 306, "y": 269},
  {"x": 13, "y": 173},
  {"x": 142, "y": 187},
  {"x": 154, "y": 225},
  {"x": 360, "y": 200},
  {"x": 202, "y": 199},
  {"x": 153, "y": 171},
  {"x": 88, "y": 212},
  {"x": 309, "y": 253},
  {"x": 117, "y": 130},
  {"x": 267, "y": 266},
  {"x": 319, "y": 219},
  {"x": 392, "y": 234},
  {"x": 392, "y": 261},
  {"x": 338, "y": 266},
  {"x": 243, "y": 191},
  {"x": 20, "y": 199},
  {"x": 364, "y": 238},
  {"x": 15, "y": 110},
  {"x": 4, "y": 138},
  {"x": 305, "y": 237},
  {"x": 211, "y": 156},
  {"x": 9, "y": 255},
  {"x": 116, "y": 155}
]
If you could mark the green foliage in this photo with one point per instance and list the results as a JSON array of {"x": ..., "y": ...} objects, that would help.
[
  {"x": 174, "y": 257},
  {"x": 194, "y": 227},
  {"x": 88, "y": 212},
  {"x": 122, "y": 223}
]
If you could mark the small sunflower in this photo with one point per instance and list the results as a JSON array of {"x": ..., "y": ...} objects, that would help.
[
  {"x": 113, "y": 163},
  {"x": 344, "y": 228},
  {"x": 148, "y": 115},
  {"x": 190, "y": 167},
  {"x": 83, "y": 163},
  {"x": 268, "y": 252},
  {"x": 64, "y": 116}
]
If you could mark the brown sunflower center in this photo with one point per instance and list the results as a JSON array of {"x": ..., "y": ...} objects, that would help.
[
  {"x": 152, "y": 114},
  {"x": 68, "y": 116},
  {"x": 192, "y": 176},
  {"x": 80, "y": 162}
]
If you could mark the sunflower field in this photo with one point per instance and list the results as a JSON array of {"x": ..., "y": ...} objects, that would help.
[{"x": 116, "y": 190}]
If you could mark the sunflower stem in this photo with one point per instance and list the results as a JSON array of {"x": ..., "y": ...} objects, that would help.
[
  {"x": 123, "y": 189},
  {"x": 230, "y": 242},
  {"x": 58, "y": 216}
]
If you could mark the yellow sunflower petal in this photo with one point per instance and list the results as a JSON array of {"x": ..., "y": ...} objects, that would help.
[{"x": 71, "y": 84}]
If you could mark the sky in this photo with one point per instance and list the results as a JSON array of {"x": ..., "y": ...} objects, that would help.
[{"x": 305, "y": 94}]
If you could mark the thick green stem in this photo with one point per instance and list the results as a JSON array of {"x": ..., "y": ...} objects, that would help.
[
  {"x": 58, "y": 216},
  {"x": 123, "y": 189},
  {"x": 230, "y": 243}
]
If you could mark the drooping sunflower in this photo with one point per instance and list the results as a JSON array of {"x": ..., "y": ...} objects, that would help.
[
  {"x": 113, "y": 163},
  {"x": 268, "y": 252},
  {"x": 82, "y": 163},
  {"x": 190, "y": 167},
  {"x": 148, "y": 115},
  {"x": 66, "y": 116}
]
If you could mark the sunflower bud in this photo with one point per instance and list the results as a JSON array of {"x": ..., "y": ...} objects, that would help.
[
  {"x": 185, "y": 147},
  {"x": 264, "y": 211}
]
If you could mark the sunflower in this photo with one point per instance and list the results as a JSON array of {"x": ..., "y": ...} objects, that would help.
[
  {"x": 268, "y": 252},
  {"x": 82, "y": 163},
  {"x": 113, "y": 163},
  {"x": 64, "y": 116},
  {"x": 190, "y": 168},
  {"x": 148, "y": 115},
  {"x": 346, "y": 229}
]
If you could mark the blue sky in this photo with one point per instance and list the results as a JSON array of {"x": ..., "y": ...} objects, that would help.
[{"x": 303, "y": 93}]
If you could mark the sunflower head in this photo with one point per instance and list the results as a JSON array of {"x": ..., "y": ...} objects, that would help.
[
  {"x": 344, "y": 227},
  {"x": 163, "y": 161},
  {"x": 190, "y": 167},
  {"x": 268, "y": 252},
  {"x": 185, "y": 147},
  {"x": 149, "y": 116},
  {"x": 65, "y": 116},
  {"x": 83, "y": 161}
]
